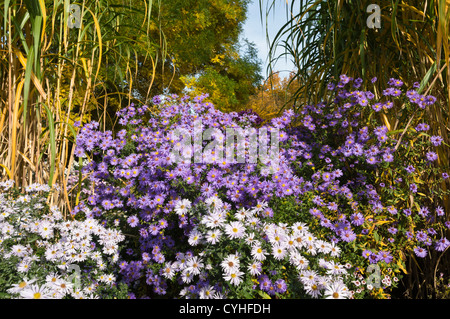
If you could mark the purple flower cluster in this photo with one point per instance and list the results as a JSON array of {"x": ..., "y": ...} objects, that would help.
[
  {"x": 327, "y": 161},
  {"x": 135, "y": 172}
]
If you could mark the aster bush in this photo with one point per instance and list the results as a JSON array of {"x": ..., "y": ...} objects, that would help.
[
  {"x": 370, "y": 190},
  {"x": 43, "y": 256},
  {"x": 139, "y": 184},
  {"x": 377, "y": 190},
  {"x": 237, "y": 254}
]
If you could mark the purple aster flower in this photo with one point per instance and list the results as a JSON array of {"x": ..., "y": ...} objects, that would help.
[
  {"x": 366, "y": 253},
  {"x": 325, "y": 223},
  {"x": 156, "y": 99},
  {"x": 268, "y": 212},
  {"x": 377, "y": 106},
  {"x": 344, "y": 78},
  {"x": 385, "y": 256},
  {"x": 445, "y": 175},
  {"x": 420, "y": 252},
  {"x": 357, "y": 83},
  {"x": 374, "y": 258},
  {"x": 153, "y": 229},
  {"x": 318, "y": 201},
  {"x": 392, "y": 210},
  {"x": 363, "y": 101},
  {"x": 280, "y": 286},
  {"x": 337, "y": 173},
  {"x": 388, "y": 91},
  {"x": 422, "y": 127},
  {"x": 374, "y": 79},
  {"x": 143, "y": 232},
  {"x": 430, "y": 100},
  {"x": 396, "y": 92},
  {"x": 326, "y": 176},
  {"x": 392, "y": 230},
  {"x": 440, "y": 211},
  {"x": 442, "y": 244},
  {"x": 395, "y": 82},
  {"x": 315, "y": 212},
  {"x": 431, "y": 156},
  {"x": 411, "y": 94},
  {"x": 372, "y": 160},
  {"x": 421, "y": 236},
  {"x": 388, "y": 157},
  {"x": 436, "y": 140},
  {"x": 348, "y": 236},
  {"x": 332, "y": 206},
  {"x": 357, "y": 219},
  {"x": 424, "y": 212},
  {"x": 413, "y": 188},
  {"x": 107, "y": 204},
  {"x": 410, "y": 169},
  {"x": 264, "y": 283},
  {"x": 133, "y": 221}
]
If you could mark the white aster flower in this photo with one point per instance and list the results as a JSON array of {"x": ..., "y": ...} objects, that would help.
[
  {"x": 16, "y": 288},
  {"x": 194, "y": 237},
  {"x": 207, "y": 292},
  {"x": 194, "y": 265},
  {"x": 258, "y": 253},
  {"x": 34, "y": 291},
  {"x": 215, "y": 202},
  {"x": 213, "y": 236},
  {"x": 182, "y": 206},
  {"x": 235, "y": 229},
  {"x": 230, "y": 263},
  {"x": 336, "y": 290},
  {"x": 255, "y": 268},
  {"x": 234, "y": 277},
  {"x": 279, "y": 251}
]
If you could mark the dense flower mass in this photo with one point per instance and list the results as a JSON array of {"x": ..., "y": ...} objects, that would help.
[
  {"x": 326, "y": 170},
  {"x": 333, "y": 212},
  {"x": 254, "y": 251},
  {"x": 53, "y": 258}
]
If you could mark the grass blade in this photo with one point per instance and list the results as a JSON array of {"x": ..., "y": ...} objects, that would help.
[{"x": 52, "y": 142}]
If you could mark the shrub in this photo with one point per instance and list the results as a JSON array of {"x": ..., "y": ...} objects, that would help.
[
  {"x": 43, "y": 256},
  {"x": 339, "y": 170}
]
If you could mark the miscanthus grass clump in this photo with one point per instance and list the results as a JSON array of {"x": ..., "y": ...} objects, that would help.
[{"x": 43, "y": 256}]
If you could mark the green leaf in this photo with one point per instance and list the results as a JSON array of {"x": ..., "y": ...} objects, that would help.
[
  {"x": 52, "y": 159},
  {"x": 376, "y": 236},
  {"x": 426, "y": 78},
  {"x": 26, "y": 86},
  {"x": 263, "y": 294}
]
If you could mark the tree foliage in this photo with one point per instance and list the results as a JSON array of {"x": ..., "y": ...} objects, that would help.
[
  {"x": 273, "y": 95},
  {"x": 204, "y": 51}
]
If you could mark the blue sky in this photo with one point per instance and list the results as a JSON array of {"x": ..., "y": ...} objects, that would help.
[{"x": 255, "y": 31}]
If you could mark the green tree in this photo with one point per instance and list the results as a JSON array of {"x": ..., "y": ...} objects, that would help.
[
  {"x": 202, "y": 49},
  {"x": 230, "y": 81}
]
